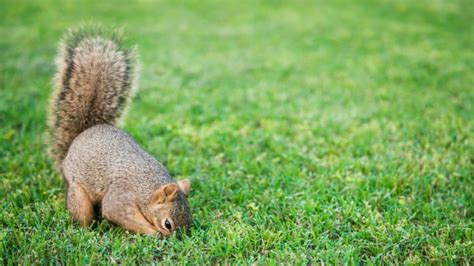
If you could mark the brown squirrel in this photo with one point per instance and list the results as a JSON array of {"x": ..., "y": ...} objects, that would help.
[{"x": 103, "y": 167}]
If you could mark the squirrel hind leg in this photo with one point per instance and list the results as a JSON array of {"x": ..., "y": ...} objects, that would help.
[{"x": 79, "y": 204}]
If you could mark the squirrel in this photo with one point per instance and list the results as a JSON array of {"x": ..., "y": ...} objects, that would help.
[{"x": 104, "y": 169}]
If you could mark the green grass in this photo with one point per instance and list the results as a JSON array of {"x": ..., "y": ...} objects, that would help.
[{"x": 336, "y": 131}]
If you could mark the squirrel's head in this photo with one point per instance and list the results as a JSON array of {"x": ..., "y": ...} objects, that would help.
[{"x": 168, "y": 207}]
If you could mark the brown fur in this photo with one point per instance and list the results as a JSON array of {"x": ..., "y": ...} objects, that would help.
[{"x": 101, "y": 164}]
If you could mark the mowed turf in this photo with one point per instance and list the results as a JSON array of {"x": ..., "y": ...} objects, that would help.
[{"x": 335, "y": 131}]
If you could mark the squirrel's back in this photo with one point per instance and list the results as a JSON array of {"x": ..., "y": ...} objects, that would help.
[
  {"x": 103, "y": 154},
  {"x": 93, "y": 83}
]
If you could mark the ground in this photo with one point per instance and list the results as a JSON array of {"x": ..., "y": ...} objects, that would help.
[{"x": 335, "y": 131}]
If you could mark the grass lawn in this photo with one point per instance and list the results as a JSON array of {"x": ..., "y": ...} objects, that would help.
[{"x": 335, "y": 131}]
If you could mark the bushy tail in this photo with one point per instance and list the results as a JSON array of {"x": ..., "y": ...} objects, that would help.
[{"x": 94, "y": 80}]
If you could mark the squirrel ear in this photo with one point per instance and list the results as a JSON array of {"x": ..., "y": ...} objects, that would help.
[
  {"x": 170, "y": 190},
  {"x": 184, "y": 185},
  {"x": 166, "y": 193}
]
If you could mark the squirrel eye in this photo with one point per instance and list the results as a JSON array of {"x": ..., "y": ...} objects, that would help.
[{"x": 168, "y": 224}]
